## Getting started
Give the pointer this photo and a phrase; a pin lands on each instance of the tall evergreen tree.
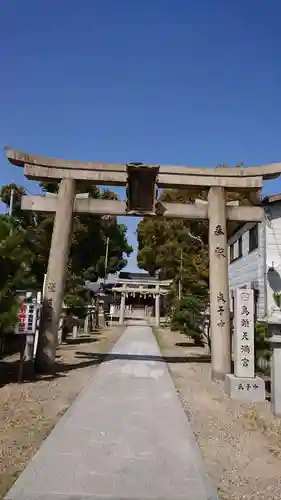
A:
(29, 244)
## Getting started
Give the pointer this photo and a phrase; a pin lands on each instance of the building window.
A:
(253, 238)
(231, 252)
(240, 247)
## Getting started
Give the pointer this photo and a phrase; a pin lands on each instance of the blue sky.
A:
(159, 81)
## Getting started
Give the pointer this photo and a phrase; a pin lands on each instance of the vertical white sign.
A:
(244, 350)
(27, 319)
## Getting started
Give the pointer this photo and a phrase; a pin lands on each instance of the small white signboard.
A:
(27, 319)
(244, 361)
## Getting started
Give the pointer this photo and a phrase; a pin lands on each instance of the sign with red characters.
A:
(27, 319)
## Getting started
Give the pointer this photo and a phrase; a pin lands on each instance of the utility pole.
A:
(105, 277)
(11, 202)
(11, 205)
(106, 258)
(180, 278)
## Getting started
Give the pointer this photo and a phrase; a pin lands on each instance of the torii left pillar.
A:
(55, 281)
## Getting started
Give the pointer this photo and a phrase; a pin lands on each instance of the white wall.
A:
(249, 268)
(257, 265)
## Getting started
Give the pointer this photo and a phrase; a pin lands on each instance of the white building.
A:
(254, 257)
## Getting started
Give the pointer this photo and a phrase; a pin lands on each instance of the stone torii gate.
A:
(142, 182)
(156, 289)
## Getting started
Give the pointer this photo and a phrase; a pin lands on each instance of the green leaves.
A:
(277, 299)
(170, 245)
(25, 240)
(15, 259)
(188, 317)
(179, 249)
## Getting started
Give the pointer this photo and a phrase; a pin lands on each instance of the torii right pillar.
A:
(219, 289)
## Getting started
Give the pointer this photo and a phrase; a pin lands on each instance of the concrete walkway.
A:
(125, 437)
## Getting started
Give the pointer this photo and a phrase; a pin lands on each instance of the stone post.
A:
(218, 277)
(97, 311)
(122, 308)
(243, 384)
(157, 306)
(75, 332)
(55, 281)
(61, 322)
(275, 341)
(86, 323)
(244, 344)
(29, 347)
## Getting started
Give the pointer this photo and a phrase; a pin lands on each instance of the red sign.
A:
(27, 319)
(22, 317)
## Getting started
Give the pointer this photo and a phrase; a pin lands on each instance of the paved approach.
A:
(125, 437)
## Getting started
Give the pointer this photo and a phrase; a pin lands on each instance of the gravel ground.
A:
(28, 411)
(241, 443)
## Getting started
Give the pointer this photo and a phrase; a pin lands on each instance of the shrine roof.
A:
(272, 198)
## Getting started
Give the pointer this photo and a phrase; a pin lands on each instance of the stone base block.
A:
(246, 389)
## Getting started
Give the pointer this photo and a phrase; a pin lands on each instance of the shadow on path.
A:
(9, 369)
(82, 340)
(185, 344)
(99, 357)
(9, 373)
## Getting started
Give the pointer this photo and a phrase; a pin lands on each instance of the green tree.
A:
(15, 261)
(188, 317)
(175, 247)
(178, 249)
(87, 252)
(262, 348)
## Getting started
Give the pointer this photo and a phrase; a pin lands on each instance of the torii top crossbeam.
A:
(42, 168)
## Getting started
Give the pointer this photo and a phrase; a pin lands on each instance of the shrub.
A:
(262, 349)
(188, 317)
